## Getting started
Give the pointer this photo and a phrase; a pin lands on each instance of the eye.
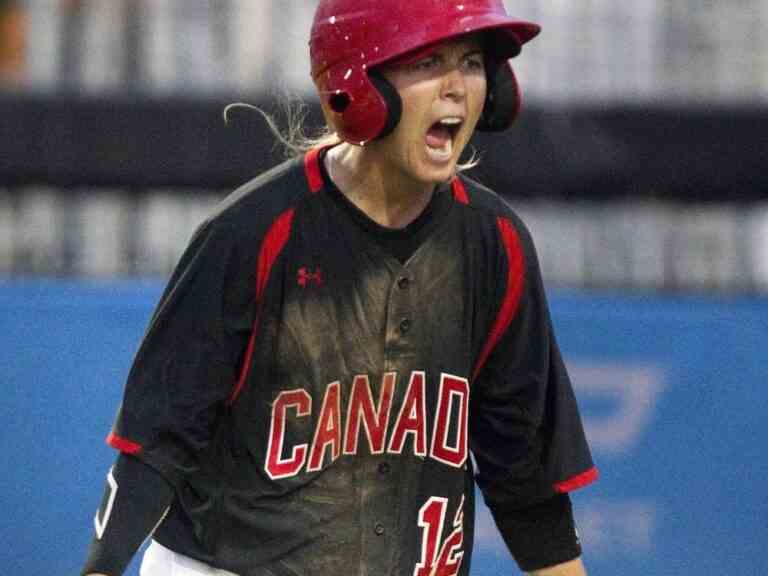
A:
(474, 63)
(429, 63)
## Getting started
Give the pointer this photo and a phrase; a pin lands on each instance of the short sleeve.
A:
(527, 437)
(187, 363)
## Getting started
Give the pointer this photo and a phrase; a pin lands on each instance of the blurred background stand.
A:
(13, 38)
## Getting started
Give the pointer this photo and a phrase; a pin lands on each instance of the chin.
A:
(437, 173)
(439, 176)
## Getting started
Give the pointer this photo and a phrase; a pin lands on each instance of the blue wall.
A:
(673, 391)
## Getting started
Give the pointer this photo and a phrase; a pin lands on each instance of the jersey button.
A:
(379, 529)
(384, 468)
(405, 325)
(403, 283)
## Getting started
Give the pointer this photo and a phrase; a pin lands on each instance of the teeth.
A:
(451, 121)
(443, 154)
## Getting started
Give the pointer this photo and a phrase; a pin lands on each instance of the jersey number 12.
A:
(440, 557)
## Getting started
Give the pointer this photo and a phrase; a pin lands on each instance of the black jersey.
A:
(315, 401)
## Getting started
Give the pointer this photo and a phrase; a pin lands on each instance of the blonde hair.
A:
(294, 139)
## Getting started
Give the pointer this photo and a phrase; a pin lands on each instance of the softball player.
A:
(349, 327)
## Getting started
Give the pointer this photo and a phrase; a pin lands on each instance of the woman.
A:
(300, 404)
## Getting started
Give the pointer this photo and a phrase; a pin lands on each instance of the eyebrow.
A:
(473, 52)
(415, 56)
(437, 54)
(428, 52)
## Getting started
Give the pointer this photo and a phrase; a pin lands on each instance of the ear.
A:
(502, 102)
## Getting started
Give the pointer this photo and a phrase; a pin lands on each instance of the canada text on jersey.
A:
(447, 443)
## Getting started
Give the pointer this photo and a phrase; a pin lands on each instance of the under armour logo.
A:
(304, 277)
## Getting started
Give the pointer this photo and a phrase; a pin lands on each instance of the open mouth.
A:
(440, 137)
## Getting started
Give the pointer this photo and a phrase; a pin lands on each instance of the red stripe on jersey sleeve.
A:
(273, 244)
(123, 444)
(578, 481)
(459, 191)
(312, 169)
(515, 279)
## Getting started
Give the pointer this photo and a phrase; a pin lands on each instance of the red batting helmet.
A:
(350, 38)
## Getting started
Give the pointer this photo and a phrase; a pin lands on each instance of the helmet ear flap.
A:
(502, 102)
(393, 101)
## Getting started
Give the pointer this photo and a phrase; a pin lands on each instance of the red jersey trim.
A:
(312, 170)
(123, 444)
(515, 279)
(273, 244)
(459, 191)
(578, 481)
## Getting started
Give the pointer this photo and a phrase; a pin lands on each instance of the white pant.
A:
(160, 561)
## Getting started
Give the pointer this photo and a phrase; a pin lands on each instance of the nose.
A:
(454, 85)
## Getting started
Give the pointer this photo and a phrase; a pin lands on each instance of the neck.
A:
(381, 191)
